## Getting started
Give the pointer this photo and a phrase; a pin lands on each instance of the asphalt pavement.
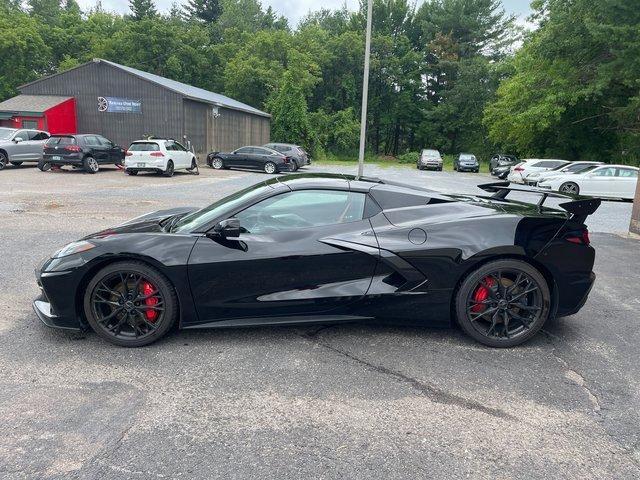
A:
(349, 401)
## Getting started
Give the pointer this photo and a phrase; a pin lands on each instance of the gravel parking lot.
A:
(348, 401)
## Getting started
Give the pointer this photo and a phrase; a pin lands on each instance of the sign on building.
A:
(119, 105)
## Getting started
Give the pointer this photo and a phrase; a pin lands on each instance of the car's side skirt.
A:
(291, 320)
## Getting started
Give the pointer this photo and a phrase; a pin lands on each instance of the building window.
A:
(29, 124)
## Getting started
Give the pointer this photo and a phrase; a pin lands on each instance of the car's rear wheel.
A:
(217, 163)
(503, 303)
(270, 167)
(570, 187)
(295, 165)
(130, 304)
(3, 161)
(170, 169)
(90, 165)
(44, 166)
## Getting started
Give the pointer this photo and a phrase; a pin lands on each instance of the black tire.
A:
(194, 164)
(570, 187)
(98, 301)
(90, 165)
(16, 164)
(44, 166)
(217, 163)
(132, 172)
(295, 165)
(270, 168)
(3, 161)
(488, 324)
(170, 169)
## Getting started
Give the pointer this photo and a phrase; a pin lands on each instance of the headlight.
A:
(73, 248)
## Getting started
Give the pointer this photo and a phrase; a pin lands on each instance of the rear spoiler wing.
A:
(579, 207)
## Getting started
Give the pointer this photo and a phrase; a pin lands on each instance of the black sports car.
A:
(328, 248)
(254, 158)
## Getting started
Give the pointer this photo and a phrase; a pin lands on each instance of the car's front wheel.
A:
(90, 165)
(270, 167)
(130, 304)
(570, 187)
(3, 161)
(503, 303)
(217, 163)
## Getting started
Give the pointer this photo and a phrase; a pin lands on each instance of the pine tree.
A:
(290, 113)
(206, 10)
(142, 9)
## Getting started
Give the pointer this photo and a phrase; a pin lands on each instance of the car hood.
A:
(149, 222)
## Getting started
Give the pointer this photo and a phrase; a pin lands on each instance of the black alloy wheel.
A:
(169, 171)
(503, 303)
(130, 304)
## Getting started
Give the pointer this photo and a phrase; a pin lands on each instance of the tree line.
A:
(456, 75)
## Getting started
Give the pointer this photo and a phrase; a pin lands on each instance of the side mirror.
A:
(18, 139)
(229, 228)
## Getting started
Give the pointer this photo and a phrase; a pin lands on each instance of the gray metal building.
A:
(125, 104)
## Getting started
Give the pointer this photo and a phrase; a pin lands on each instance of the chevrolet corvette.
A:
(314, 248)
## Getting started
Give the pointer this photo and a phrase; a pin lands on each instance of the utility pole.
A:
(634, 226)
(365, 90)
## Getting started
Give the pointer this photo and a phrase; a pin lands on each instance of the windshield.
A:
(196, 221)
(61, 141)
(5, 133)
(467, 157)
(589, 168)
(144, 147)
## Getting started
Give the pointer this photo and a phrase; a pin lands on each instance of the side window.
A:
(302, 209)
(244, 150)
(179, 147)
(261, 151)
(605, 172)
(92, 141)
(33, 134)
(627, 173)
(22, 135)
(104, 141)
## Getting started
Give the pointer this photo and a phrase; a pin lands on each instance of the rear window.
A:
(144, 147)
(61, 141)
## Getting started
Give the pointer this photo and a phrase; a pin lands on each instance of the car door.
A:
(19, 147)
(599, 182)
(35, 145)
(239, 158)
(627, 179)
(114, 152)
(184, 154)
(288, 260)
(98, 151)
(259, 157)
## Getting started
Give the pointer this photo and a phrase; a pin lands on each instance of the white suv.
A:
(158, 155)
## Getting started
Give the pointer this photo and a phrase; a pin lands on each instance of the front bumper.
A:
(468, 168)
(429, 165)
(56, 304)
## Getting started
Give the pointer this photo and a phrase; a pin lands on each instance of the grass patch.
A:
(406, 161)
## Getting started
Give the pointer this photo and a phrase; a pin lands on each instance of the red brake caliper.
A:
(147, 289)
(481, 294)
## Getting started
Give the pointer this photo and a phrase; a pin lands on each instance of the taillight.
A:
(73, 148)
(518, 169)
(157, 154)
(128, 153)
(286, 159)
(580, 237)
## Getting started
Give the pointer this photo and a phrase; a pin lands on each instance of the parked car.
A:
(158, 155)
(500, 165)
(430, 159)
(327, 248)
(520, 173)
(466, 162)
(500, 159)
(87, 151)
(254, 158)
(573, 167)
(605, 181)
(297, 153)
(21, 145)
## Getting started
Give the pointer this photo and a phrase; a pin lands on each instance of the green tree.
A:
(289, 109)
(141, 9)
(205, 10)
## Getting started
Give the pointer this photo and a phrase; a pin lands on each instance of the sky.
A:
(294, 10)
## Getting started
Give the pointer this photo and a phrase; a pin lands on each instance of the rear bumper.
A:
(74, 159)
(575, 295)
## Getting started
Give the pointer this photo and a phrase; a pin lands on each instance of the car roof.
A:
(618, 166)
(281, 144)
